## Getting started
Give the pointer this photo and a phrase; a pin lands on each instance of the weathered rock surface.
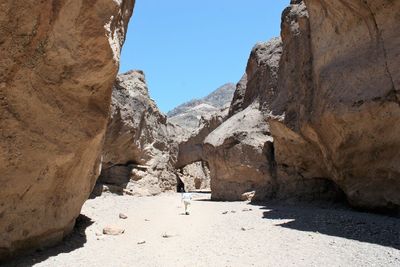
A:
(113, 230)
(58, 62)
(340, 113)
(138, 155)
(191, 148)
(298, 166)
(195, 176)
(258, 84)
(237, 153)
(189, 115)
(192, 168)
(240, 151)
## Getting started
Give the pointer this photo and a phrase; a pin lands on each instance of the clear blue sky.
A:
(188, 48)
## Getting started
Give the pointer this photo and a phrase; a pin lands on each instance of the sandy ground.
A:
(272, 234)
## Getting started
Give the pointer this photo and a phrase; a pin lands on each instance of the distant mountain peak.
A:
(188, 114)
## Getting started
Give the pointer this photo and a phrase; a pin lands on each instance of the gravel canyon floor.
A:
(223, 234)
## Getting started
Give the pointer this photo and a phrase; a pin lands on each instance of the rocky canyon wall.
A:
(239, 150)
(330, 111)
(139, 153)
(342, 110)
(58, 62)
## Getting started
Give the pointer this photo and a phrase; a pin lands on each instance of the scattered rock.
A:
(141, 242)
(113, 230)
(166, 235)
(225, 212)
(123, 216)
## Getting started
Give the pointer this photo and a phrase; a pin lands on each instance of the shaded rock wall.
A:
(344, 124)
(300, 171)
(58, 62)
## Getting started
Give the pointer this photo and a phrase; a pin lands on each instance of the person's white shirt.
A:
(186, 196)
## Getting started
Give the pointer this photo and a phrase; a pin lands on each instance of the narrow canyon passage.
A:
(291, 150)
(223, 234)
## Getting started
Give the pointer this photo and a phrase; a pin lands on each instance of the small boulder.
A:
(248, 196)
(113, 230)
(123, 216)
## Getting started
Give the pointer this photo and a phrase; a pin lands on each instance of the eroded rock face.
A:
(238, 155)
(191, 147)
(138, 154)
(299, 168)
(240, 151)
(191, 161)
(340, 113)
(195, 176)
(258, 84)
(58, 62)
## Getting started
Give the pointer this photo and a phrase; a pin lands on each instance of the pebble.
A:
(123, 216)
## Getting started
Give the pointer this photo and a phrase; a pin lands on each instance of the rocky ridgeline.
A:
(58, 63)
(189, 114)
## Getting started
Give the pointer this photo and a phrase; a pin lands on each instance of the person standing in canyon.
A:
(187, 201)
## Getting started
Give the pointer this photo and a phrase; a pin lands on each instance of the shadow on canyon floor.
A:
(75, 240)
(338, 221)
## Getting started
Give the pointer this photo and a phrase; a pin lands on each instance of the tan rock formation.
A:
(58, 62)
(340, 112)
(138, 154)
(238, 155)
(191, 147)
(258, 84)
(240, 151)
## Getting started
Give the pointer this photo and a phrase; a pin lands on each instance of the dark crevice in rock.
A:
(269, 149)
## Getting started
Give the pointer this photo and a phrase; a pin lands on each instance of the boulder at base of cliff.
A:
(239, 155)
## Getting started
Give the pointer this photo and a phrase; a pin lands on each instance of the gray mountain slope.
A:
(187, 115)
